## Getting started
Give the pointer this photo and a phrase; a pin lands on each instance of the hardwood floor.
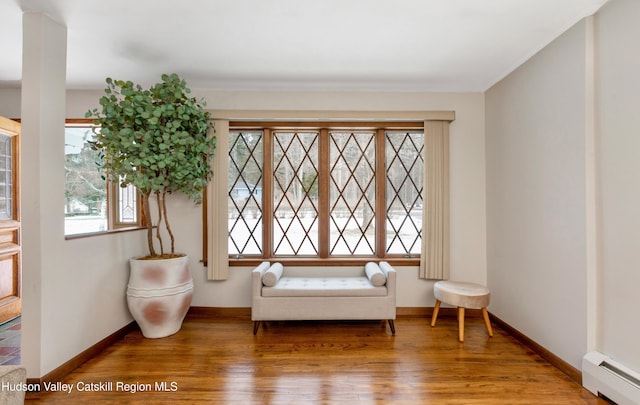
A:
(221, 361)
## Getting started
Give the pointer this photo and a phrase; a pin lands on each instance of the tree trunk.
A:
(147, 214)
(160, 199)
(166, 221)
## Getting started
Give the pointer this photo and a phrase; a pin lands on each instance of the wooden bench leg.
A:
(435, 313)
(256, 326)
(461, 324)
(392, 326)
(487, 322)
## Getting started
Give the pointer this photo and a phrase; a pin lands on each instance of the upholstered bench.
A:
(462, 295)
(323, 293)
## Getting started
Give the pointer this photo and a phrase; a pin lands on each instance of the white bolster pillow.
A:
(271, 276)
(376, 276)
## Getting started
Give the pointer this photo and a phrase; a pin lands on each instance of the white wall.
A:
(72, 289)
(536, 198)
(468, 257)
(10, 102)
(618, 115)
(563, 260)
(84, 297)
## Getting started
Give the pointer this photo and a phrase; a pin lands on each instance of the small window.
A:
(6, 175)
(91, 204)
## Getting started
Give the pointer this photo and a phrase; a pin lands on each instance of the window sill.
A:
(316, 262)
(109, 232)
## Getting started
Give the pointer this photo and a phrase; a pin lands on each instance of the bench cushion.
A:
(271, 276)
(375, 274)
(324, 287)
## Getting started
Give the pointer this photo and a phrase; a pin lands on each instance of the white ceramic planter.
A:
(159, 295)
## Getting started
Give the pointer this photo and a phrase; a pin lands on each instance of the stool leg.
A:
(461, 324)
(435, 313)
(487, 322)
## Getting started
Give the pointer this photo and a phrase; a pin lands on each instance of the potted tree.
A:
(157, 140)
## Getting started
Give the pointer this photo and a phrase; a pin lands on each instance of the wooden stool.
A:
(462, 295)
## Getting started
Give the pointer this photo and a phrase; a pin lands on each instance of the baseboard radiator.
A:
(605, 377)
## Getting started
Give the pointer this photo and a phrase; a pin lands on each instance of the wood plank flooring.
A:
(222, 362)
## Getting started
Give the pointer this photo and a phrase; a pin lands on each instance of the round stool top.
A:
(462, 294)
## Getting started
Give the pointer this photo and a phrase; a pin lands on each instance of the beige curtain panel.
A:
(218, 232)
(434, 260)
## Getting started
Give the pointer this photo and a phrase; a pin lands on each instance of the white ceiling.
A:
(394, 45)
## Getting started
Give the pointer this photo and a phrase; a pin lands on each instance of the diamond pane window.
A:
(317, 190)
(352, 193)
(295, 193)
(404, 164)
(245, 193)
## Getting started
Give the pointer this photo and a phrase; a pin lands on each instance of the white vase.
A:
(159, 294)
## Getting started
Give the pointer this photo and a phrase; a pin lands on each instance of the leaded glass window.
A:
(245, 192)
(321, 192)
(404, 162)
(295, 193)
(352, 193)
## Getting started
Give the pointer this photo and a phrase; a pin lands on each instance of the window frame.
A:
(112, 198)
(323, 258)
